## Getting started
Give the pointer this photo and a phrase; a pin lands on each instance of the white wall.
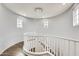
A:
(58, 26)
(9, 34)
(61, 26)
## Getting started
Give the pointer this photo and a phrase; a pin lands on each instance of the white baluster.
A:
(58, 47)
(74, 48)
(55, 46)
(69, 47)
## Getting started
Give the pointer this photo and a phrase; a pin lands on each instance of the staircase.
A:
(49, 46)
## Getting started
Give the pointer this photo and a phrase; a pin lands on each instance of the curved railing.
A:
(50, 45)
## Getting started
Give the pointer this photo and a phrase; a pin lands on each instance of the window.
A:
(76, 16)
(20, 22)
(45, 22)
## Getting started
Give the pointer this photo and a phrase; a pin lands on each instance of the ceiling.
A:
(38, 10)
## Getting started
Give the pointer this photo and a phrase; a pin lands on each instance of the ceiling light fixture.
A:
(38, 9)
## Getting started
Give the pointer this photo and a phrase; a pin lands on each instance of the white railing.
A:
(54, 45)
